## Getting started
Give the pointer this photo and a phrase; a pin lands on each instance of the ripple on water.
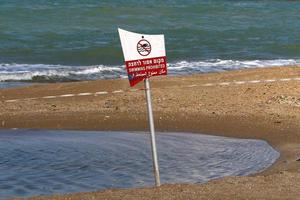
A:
(46, 162)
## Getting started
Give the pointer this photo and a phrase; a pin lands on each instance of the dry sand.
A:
(265, 110)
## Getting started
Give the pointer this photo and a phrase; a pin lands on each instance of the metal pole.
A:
(151, 124)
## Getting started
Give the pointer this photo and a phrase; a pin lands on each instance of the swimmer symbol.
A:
(143, 47)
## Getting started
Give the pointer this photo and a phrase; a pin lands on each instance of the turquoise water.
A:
(45, 162)
(76, 39)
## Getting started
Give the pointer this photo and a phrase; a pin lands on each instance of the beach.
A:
(228, 107)
(256, 103)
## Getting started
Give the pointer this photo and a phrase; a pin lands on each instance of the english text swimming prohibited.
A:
(145, 56)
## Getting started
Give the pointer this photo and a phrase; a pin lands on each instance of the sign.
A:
(144, 55)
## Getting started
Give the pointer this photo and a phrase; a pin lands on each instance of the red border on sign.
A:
(138, 70)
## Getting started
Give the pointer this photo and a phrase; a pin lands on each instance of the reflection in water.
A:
(46, 162)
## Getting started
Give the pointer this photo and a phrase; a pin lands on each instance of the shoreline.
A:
(267, 110)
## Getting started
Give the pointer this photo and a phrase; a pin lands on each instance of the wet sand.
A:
(266, 106)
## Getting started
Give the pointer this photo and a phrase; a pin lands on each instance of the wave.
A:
(61, 73)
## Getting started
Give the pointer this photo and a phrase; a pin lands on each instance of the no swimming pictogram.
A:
(143, 47)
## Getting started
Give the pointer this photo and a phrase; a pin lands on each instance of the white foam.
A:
(26, 72)
(98, 69)
(224, 65)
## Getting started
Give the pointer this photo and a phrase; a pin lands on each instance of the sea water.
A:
(52, 41)
(46, 162)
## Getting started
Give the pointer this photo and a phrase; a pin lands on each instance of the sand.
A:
(267, 107)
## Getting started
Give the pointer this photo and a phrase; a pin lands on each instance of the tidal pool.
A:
(46, 162)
